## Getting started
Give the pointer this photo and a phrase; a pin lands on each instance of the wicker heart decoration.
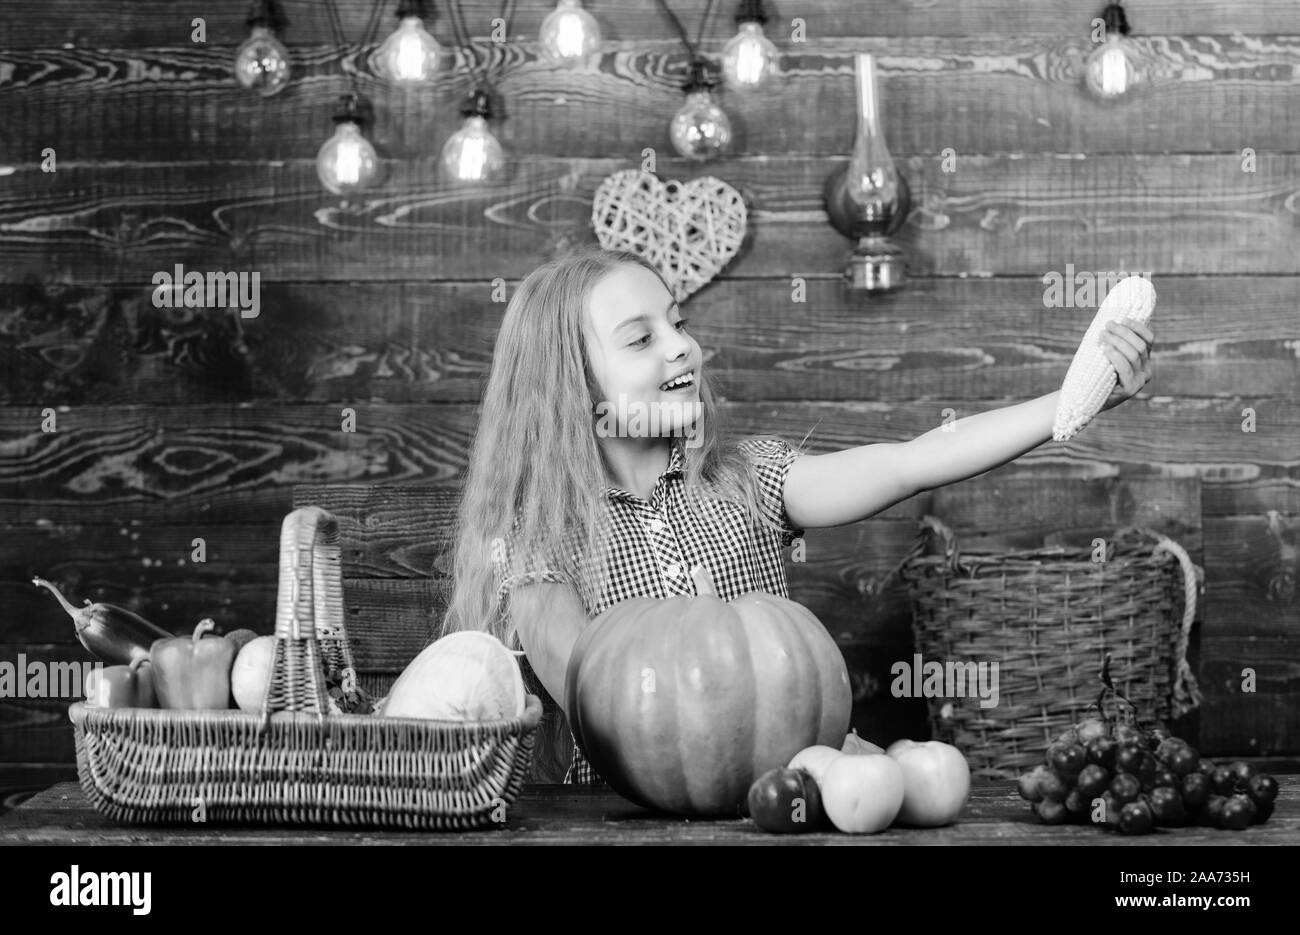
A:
(689, 230)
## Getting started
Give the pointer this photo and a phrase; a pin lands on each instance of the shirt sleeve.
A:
(772, 458)
(511, 574)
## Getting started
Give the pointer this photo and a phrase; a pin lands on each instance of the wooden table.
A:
(557, 814)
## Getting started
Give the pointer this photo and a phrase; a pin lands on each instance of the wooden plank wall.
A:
(174, 425)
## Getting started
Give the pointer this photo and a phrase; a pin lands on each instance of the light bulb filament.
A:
(409, 62)
(1114, 71)
(347, 162)
(570, 36)
(749, 62)
(473, 157)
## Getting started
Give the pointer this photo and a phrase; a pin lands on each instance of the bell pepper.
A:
(193, 673)
(129, 686)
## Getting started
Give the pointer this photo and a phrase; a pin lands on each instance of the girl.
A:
(600, 472)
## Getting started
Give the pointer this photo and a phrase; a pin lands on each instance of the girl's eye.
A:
(641, 342)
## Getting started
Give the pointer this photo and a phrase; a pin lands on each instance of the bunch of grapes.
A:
(1144, 779)
(1134, 780)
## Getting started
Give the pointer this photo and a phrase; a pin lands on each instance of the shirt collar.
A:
(676, 465)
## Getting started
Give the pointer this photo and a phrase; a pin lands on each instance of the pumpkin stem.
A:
(703, 581)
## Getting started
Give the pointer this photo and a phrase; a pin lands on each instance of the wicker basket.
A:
(293, 763)
(1048, 618)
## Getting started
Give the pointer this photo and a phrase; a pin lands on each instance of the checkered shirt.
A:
(656, 543)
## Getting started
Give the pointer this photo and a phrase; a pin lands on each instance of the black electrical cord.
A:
(697, 72)
(462, 37)
(691, 50)
(336, 24)
(372, 28)
(265, 13)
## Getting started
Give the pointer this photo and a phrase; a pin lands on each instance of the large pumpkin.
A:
(680, 704)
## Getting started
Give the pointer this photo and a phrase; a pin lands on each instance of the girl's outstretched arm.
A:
(850, 485)
(977, 443)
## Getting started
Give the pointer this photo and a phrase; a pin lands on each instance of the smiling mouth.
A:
(684, 382)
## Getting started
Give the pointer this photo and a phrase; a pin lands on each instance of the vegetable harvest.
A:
(193, 673)
(1091, 376)
(468, 675)
(112, 633)
(680, 704)
(122, 686)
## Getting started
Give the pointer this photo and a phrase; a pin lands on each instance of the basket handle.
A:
(1187, 694)
(310, 638)
(928, 527)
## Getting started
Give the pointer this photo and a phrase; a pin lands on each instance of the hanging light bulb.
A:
(410, 55)
(472, 154)
(569, 33)
(869, 198)
(700, 129)
(262, 61)
(346, 163)
(750, 57)
(1111, 70)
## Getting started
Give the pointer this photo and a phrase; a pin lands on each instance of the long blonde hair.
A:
(536, 469)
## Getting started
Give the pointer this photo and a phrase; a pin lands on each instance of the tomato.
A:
(936, 781)
(1125, 788)
(1067, 759)
(1238, 812)
(1244, 772)
(1128, 759)
(1196, 789)
(786, 801)
(1135, 818)
(862, 794)
(1224, 780)
(1092, 781)
(1212, 814)
(1052, 787)
(1049, 812)
(1102, 751)
(1182, 759)
(1166, 806)
(1029, 783)
(1262, 788)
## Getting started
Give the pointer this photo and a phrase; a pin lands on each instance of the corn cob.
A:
(1092, 376)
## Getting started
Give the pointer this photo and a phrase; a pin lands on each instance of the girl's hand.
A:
(1128, 347)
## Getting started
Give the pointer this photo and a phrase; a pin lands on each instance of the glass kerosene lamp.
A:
(869, 199)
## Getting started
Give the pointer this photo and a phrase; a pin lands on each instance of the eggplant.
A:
(114, 634)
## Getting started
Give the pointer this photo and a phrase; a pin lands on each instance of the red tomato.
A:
(936, 781)
(785, 801)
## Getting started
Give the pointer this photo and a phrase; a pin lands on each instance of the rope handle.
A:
(1186, 692)
(310, 638)
(929, 528)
